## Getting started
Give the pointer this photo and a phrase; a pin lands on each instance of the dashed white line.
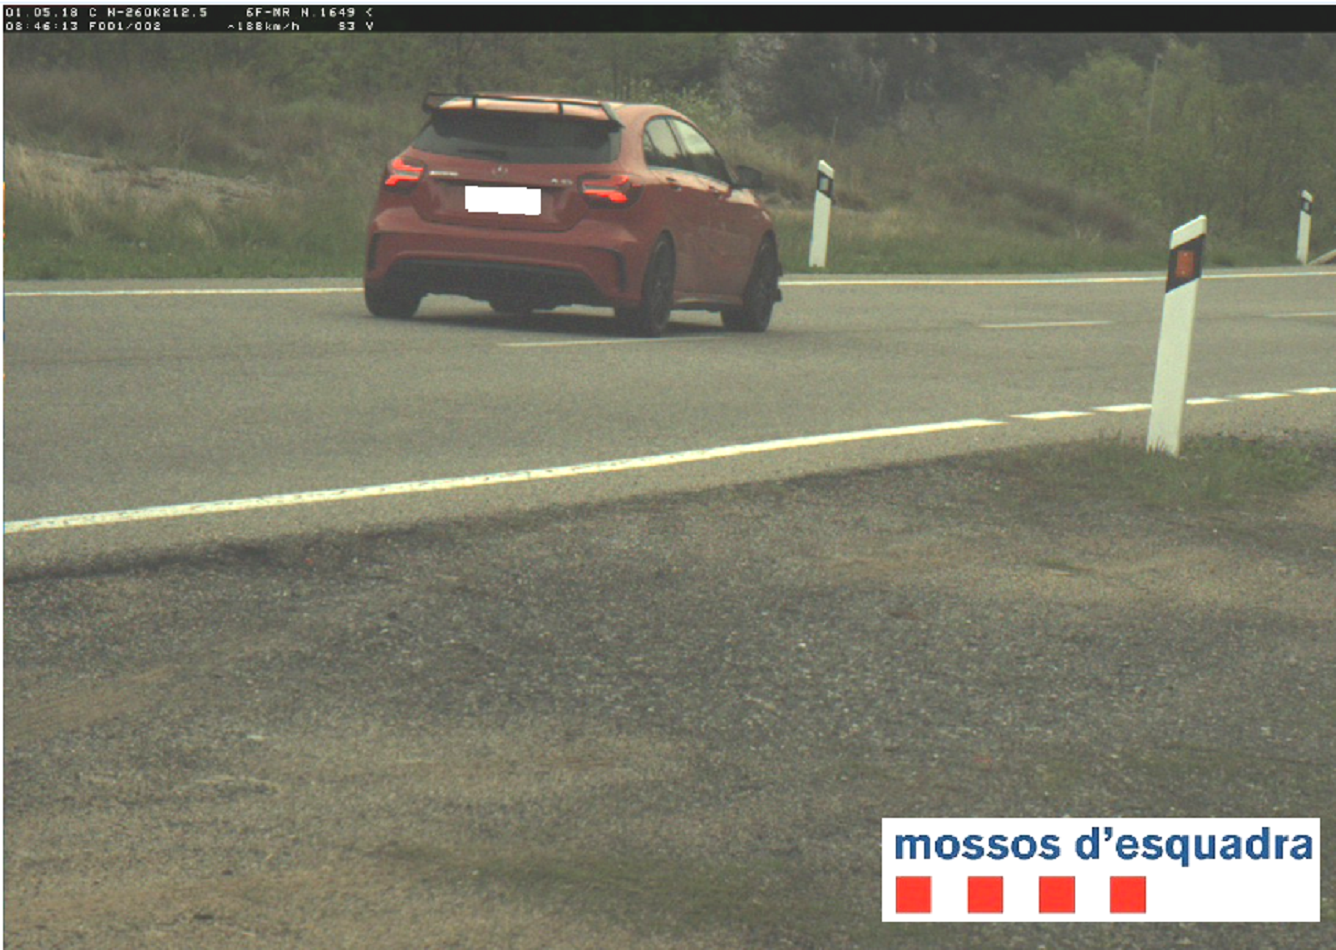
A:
(1125, 407)
(609, 342)
(969, 281)
(1044, 325)
(834, 282)
(1245, 275)
(592, 468)
(795, 283)
(1051, 415)
(1034, 281)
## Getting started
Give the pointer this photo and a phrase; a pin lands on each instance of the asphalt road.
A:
(537, 703)
(121, 397)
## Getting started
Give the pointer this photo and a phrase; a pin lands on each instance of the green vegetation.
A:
(954, 152)
(1211, 471)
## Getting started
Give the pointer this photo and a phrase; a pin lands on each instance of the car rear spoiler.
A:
(433, 101)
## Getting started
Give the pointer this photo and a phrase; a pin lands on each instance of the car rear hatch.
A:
(512, 163)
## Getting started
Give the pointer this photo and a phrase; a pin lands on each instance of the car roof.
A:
(645, 110)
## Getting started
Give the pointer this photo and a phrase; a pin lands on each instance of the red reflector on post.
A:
(1186, 265)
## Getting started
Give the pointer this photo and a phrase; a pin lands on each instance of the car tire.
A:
(650, 318)
(390, 300)
(758, 299)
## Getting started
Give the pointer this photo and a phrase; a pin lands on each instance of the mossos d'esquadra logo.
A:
(1101, 869)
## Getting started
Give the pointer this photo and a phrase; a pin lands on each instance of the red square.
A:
(1127, 895)
(1057, 895)
(913, 895)
(985, 895)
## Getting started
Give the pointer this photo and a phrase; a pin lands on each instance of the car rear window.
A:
(520, 138)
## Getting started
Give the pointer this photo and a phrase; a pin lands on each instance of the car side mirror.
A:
(749, 178)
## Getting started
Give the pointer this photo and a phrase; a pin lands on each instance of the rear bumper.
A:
(593, 263)
(486, 280)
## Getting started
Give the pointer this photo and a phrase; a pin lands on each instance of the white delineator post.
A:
(1305, 225)
(825, 197)
(1186, 248)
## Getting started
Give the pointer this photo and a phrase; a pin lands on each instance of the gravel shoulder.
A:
(663, 723)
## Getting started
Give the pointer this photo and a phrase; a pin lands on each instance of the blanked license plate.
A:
(496, 199)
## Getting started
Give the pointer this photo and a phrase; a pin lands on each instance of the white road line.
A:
(1050, 416)
(610, 342)
(476, 481)
(795, 283)
(1044, 325)
(184, 292)
(968, 281)
(1206, 401)
(833, 282)
(59, 522)
(1227, 275)
(1125, 407)
(1301, 316)
(1028, 281)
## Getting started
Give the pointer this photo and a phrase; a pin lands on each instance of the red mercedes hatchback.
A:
(534, 202)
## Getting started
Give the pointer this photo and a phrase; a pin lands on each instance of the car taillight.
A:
(615, 190)
(403, 173)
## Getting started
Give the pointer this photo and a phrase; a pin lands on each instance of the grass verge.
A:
(72, 217)
(1213, 471)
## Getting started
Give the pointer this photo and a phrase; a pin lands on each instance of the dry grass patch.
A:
(83, 196)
